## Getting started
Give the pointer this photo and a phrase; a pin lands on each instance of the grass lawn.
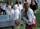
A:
(22, 27)
(38, 28)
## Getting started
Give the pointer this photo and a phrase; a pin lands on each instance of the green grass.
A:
(38, 18)
(38, 28)
(22, 27)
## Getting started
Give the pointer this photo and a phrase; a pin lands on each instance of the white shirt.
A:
(17, 11)
(16, 6)
(20, 6)
(31, 15)
(12, 11)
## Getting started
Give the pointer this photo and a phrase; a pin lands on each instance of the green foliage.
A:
(38, 18)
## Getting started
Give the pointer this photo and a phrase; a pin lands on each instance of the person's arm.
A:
(23, 18)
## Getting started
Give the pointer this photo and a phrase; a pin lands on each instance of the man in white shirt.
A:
(16, 9)
(17, 13)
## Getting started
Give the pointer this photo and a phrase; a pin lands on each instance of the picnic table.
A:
(5, 21)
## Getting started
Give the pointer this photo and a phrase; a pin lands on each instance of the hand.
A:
(17, 22)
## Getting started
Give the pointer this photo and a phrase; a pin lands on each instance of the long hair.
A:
(34, 7)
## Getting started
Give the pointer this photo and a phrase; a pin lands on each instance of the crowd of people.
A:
(24, 11)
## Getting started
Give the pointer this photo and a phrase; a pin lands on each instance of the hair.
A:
(25, 0)
(19, 2)
(12, 6)
(34, 7)
(16, 2)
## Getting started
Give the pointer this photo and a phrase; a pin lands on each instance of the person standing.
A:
(29, 16)
(17, 13)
